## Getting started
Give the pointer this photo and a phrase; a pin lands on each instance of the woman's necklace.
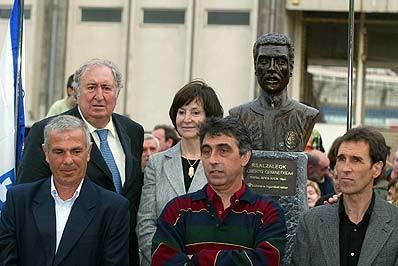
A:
(187, 146)
(191, 170)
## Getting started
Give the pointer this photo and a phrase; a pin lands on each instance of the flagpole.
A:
(18, 91)
(351, 15)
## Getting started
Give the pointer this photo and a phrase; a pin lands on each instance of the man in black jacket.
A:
(115, 162)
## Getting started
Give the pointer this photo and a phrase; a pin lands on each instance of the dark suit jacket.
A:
(33, 165)
(317, 238)
(96, 232)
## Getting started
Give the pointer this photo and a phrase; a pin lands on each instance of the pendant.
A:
(191, 171)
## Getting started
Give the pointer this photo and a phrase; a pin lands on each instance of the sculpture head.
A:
(273, 55)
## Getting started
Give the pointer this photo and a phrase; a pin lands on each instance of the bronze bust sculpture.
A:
(276, 122)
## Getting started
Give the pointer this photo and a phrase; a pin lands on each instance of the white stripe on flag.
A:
(8, 109)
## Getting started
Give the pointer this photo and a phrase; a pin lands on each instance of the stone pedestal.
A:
(284, 176)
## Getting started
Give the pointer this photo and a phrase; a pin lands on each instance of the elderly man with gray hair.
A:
(151, 145)
(75, 221)
(117, 140)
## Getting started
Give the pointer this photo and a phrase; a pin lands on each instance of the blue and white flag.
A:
(12, 119)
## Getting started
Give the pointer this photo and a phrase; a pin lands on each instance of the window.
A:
(228, 18)
(326, 78)
(164, 16)
(100, 14)
(326, 82)
(5, 13)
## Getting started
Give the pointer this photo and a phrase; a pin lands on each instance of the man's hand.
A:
(332, 200)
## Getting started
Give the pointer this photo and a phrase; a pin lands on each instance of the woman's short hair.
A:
(196, 90)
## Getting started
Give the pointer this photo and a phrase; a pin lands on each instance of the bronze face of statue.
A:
(272, 68)
(277, 122)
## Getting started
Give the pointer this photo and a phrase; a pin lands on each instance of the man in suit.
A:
(116, 159)
(64, 219)
(360, 229)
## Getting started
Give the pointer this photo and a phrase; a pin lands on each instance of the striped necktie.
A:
(109, 159)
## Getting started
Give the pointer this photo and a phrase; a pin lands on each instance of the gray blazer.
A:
(163, 181)
(317, 237)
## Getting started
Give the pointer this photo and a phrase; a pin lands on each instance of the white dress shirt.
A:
(62, 209)
(114, 145)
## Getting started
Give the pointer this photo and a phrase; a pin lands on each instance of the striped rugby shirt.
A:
(252, 231)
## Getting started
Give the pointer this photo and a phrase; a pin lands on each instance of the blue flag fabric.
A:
(12, 116)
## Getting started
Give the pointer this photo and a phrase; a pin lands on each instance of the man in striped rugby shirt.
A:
(224, 223)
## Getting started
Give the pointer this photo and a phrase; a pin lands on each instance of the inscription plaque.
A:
(275, 177)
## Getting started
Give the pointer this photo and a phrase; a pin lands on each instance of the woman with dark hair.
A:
(178, 170)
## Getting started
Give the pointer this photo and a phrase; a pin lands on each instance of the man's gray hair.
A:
(148, 136)
(117, 75)
(64, 123)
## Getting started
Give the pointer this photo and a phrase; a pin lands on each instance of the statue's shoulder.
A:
(243, 108)
(307, 110)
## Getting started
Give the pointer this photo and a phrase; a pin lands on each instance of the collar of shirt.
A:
(217, 202)
(201, 195)
(212, 195)
(274, 100)
(92, 129)
(55, 195)
(367, 213)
